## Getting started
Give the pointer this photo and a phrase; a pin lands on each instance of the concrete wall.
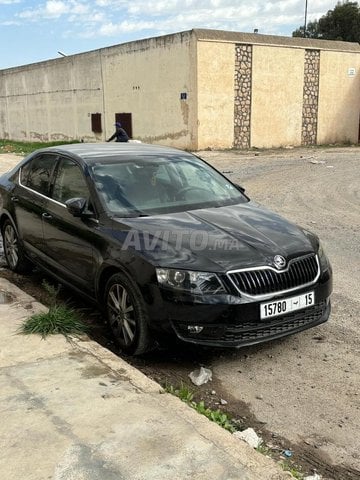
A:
(54, 100)
(215, 77)
(339, 98)
(146, 79)
(277, 95)
(51, 100)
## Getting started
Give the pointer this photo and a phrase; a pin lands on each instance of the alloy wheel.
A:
(121, 314)
(11, 246)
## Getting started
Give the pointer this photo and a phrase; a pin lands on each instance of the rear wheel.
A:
(14, 251)
(127, 315)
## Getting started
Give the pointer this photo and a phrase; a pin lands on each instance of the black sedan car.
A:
(163, 243)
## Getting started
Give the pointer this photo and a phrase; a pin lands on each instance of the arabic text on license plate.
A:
(286, 305)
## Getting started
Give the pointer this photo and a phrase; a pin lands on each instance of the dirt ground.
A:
(301, 393)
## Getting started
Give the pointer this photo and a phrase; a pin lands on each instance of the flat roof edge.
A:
(275, 40)
(210, 35)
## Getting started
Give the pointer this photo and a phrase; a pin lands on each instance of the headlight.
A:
(198, 283)
(324, 261)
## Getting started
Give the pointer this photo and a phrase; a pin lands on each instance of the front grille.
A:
(266, 280)
(255, 331)
(278, 326)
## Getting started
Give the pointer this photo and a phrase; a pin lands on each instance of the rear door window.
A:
(37, 173)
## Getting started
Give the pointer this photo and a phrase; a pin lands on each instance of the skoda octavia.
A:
(164, 244)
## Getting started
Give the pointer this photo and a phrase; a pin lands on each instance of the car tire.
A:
(127, 316)
(13, 249)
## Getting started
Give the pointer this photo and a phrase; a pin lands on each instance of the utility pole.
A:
(305, 23)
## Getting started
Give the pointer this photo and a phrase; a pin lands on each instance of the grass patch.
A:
(217, 416)
(60, 319)
(24, 148)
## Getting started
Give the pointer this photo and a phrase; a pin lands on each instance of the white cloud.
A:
(80, 9)
(103, 3)
(10, 23)
(116, 18)
(56, 8)
(111, 29)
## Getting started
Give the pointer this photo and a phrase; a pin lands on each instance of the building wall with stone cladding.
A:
(291, 95)
(311, 97)
(243, 86)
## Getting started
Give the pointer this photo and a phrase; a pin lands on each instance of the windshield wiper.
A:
(134, 214)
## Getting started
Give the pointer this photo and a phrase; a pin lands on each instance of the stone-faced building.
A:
(195, 89)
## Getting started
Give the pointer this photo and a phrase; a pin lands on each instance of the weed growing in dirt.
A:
(52, 291)
(216, 416)
(264, 450)
(288, 467)
(59, 319)
(186, 395)
(225, 421)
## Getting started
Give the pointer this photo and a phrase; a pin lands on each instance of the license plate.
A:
(286, 305)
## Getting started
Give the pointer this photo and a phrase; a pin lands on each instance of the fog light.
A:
(194, 329)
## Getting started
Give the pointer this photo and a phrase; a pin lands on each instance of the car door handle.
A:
(47, 215)
(14, 199)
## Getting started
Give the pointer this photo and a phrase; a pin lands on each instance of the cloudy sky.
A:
(35, 30)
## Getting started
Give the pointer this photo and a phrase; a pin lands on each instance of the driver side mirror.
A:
(77, 207)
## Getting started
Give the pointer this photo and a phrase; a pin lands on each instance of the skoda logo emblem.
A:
(279, 262)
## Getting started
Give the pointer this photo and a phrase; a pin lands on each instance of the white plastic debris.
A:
(313, 477)
(201, 376)
(250, 437)
(223, 402)
(318, 162)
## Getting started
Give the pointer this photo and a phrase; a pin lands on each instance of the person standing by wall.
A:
(120, 134)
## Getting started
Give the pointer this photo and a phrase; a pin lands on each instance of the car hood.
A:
(214, 239)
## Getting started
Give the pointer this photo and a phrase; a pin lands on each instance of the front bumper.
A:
(245, 333)
(233, 322)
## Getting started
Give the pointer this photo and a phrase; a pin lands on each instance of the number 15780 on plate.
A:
(286, 305)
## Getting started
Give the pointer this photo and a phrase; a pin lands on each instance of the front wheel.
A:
(14, 252)
(127, 316)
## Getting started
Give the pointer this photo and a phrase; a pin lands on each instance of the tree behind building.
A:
(341, 23)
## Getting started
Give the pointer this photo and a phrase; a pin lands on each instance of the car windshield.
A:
(154, 185)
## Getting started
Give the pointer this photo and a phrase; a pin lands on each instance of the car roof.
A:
(92, 152)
